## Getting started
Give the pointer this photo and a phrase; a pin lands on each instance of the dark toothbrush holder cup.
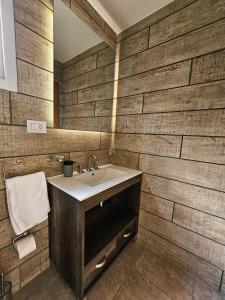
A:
(68, 168)
(5, 289)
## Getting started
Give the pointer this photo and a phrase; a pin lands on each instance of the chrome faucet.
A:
(93, 163)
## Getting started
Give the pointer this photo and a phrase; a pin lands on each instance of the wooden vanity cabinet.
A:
(85, 236)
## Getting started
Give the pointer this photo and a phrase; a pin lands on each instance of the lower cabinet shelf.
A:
(83, 242)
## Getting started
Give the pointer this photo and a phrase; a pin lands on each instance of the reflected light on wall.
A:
(115, 94)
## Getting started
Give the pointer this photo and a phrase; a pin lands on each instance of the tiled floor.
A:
(137, 274)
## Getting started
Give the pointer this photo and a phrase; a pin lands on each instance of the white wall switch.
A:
(36, 126)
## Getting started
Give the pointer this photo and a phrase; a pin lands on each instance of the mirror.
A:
(83, 74)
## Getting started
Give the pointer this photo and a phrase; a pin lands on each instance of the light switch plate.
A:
(36, 126)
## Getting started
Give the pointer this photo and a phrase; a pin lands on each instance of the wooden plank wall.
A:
(172, 74)
(88, 86)
(34, 100)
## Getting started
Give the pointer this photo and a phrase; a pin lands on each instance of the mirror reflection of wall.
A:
(83, 74)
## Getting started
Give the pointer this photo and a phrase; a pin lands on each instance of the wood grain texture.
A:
(96, 93)
(126, 159)
(35, 16)
(14, 277)
(106, 57)
(196, 97)
(33, 267)
(155, 17)
(104, 108)
(202, 41)
(105, 140)
(208, 122)
(186, 20)
(17, 142)
(79, 110)
(157, 206)
(202, 199)
(152, 144)
(3, 205)
(48, 3)
(86, 65)
(23, 107)
(187, 260)
(199, 222)
(186, 171)
(89, 124)
(33, 49)
(92, 78)
(69, 99)
(134, 44)
(4, 107)
(209, 67)
(190, 241)
(204, 149)
(34, 81)
(163, 78)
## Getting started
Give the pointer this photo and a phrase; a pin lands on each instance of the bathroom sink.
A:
(83, 186)
(100, 176)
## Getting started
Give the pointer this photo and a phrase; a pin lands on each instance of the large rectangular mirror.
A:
(83, 74)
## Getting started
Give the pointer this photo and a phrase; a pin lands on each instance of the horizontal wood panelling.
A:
(134, 44)
(203, 96)
(203, 199)
(199, 222)
(208, 67)
(126, 159)
(199, 42)
(34, 81)
(69, 99)
(95, 77)
(48, 3)
(86, 54)
(4, 107)
(152, 144)
(106, 57)
(79, 110)
(90, 124)
(33, 49)
(106, 139)
(86, 65)
(160, 14)
(157, 206)
(32, 164)
(120, 106)
(209, 149)
(192, 263)
(34, 266)
(190, 241)
(17, 142)
(104, 108)
(209, 122)
(96, 93)
(163, 78)
(29, 13)
(23, 107)
(192, 172)
(3, 205)
(6, 233)
(14, 277)
(186, 20)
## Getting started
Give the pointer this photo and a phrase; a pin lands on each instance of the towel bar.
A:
(19, 162)
(18, 237)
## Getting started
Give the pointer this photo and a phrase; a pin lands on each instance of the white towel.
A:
(25, 246)
(27, 200)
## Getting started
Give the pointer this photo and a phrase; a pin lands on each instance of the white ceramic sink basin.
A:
(100, 176)
(88, 184)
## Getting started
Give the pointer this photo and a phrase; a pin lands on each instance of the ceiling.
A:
(71, 35)
(121, 14)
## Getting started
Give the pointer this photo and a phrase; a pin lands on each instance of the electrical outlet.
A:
(36, 126)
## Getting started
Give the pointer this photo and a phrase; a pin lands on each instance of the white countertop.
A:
(85, 185)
